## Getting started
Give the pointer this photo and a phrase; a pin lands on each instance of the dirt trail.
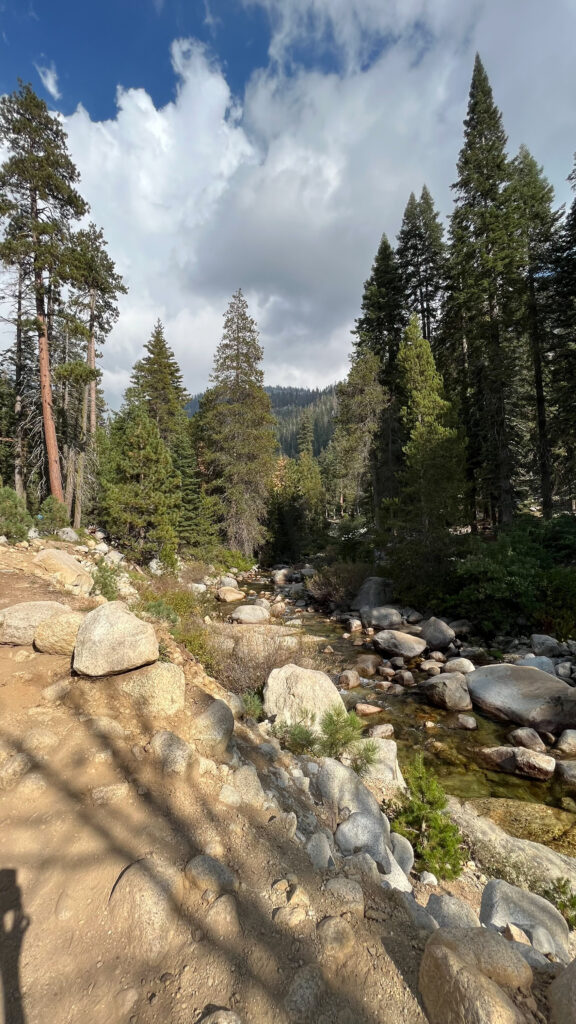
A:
(66, 837)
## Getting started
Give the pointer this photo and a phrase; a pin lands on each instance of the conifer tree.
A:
(538, 223)
(380, 325)
(484, 285)
(236, 431)
(197, 527)
(157, 383)
(563, 362)
(420, 255)
(39, 199)
(141, 489)
(432, 482)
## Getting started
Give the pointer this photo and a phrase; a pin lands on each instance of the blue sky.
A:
(99, 44)
(267, 144)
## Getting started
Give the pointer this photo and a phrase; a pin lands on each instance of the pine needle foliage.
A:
(435, 839)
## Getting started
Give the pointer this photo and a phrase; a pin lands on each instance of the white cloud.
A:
(49, 78)
(286, 194)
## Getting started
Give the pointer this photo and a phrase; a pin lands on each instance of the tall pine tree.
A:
(420, 255)
(236, 431)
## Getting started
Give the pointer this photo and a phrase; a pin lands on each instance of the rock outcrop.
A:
(524, 695)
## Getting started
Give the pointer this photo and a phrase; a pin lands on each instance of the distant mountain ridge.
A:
(288, 404)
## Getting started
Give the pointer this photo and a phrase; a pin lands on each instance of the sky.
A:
(268, 144)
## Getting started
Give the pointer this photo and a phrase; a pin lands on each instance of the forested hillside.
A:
(288, 405)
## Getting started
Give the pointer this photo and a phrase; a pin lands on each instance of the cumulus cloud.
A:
(286, 190)
(49, 78)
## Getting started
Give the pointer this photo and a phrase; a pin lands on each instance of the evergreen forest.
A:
(446, 460)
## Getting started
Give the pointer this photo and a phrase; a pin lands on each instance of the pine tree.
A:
(538, 224)
(432, 482)
(563, 362)
(236, 428)
(197, 527)
(380, 326)
(141, 489)
(483, 301)
(157, 382)
(39, 200)
(420, 255)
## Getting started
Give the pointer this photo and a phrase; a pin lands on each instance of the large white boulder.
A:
(111, 639)
(247, 614)
(19, 622)
(57, 635)
(394, 641)
(293, 693)
(524, 695)
(65, 569)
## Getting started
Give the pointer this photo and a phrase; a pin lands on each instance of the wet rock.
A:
(57, 635)
(520, 861)
(65, 569)
(504, 904)
(385, 731)
(447, 690)
(228, 595)
(472, 975)
(567, 743)
(451, 912)
(383, 617)
(393, 641)
(404, 678)
(158, 689)
(230, 582)
(292, 691)
(368, 664)
(365, 710)
(437, 634)
(463, 665)
(524, 695)
(19, 622)
(466, 722)
(566, 772)
(518, 761)
(111, 639)
(250, 614)
(529, 738)
(349, 679)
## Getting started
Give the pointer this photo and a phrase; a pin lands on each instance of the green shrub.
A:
(253, 706)
(225, 558)
(561, 894)
(298, 738)
(195, 639)
(159, 609)
(105, 581)
(556, 613)
(340, 729)
(15, 520)
(364, 758)
(435, 839)
(53, 516)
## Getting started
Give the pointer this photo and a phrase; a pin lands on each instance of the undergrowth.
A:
(436, 840)
(339, 733)
(561, 894)
(105, 581)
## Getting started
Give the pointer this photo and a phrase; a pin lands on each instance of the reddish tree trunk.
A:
(91, 360)
(50, 439)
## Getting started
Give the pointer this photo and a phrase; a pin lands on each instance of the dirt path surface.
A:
(80, 945)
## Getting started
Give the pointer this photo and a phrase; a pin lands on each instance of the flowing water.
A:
(420, 727)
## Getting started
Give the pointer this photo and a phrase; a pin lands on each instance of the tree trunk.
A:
(81, 461)
(91, 360)
(19, 484)
(69, 492)
(50, 438)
